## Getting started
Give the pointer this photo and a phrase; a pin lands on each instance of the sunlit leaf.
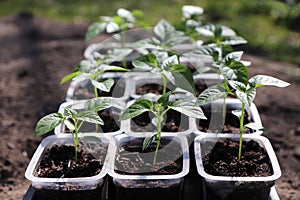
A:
(148, 141)
(90, 116)
(261, 80)
(138, 107)
(211, 94)
(103, 85)
(188, 108)
(48, 123)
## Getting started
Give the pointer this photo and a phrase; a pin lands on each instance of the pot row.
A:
(175, 122)
(140, 185)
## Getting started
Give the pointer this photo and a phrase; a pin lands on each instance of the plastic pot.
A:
(142, 185)
(69, 184)
(227, 187)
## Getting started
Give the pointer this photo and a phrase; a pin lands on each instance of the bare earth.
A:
(35, 54)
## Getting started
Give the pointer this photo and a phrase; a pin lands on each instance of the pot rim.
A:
(46, 142)
(263, 141)
(185, 168)
(254, 114)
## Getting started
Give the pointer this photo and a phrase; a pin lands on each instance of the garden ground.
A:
(35, 54)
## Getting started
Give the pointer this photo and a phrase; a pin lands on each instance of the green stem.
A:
(75, 138)
(96, 92)
(241, 131)
(158, 139)
(164, 84)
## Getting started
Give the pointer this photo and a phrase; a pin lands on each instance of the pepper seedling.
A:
(168, 67)
(73, 120)
(243, 88)
(93, 69)
(159, 109)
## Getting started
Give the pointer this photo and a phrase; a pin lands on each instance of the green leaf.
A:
(103, 85)
(188, 108)
(236, 71)
(261, 80)
(254, 126)
(89, 116)
(243, 97)
(69, 112)
(211, 94)
(233, 56)
(97, 104)
(113, 55)
(48, 123)
(94, 29)
(233, 40)
(237, 113)
(251, 95)
(69, 125)
(145, 62)
(148, 141)
(138, 107)
(164, 99)
(183, 78)
(69, 77)
(104, 68)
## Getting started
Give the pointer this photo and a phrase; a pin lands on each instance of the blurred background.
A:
(272, 27)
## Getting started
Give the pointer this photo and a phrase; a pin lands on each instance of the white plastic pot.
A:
(80, 183)
(231, 103)
(223, 187)
(148, 186)
(116, 110)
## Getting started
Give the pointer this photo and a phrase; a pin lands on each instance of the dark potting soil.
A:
(174, 122)
(58, 161)
(222, 159)
(154, 88)
(131, 159)
(231, 124)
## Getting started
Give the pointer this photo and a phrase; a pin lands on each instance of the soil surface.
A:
(222, 160)
(59, 162)
(166, 163)
(36, 53)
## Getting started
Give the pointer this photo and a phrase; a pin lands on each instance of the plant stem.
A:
(96, 96)
(241, 130)
(96, 92)
(164, 84)
(75, 138)
(158, 139)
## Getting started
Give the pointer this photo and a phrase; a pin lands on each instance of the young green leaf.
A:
(48, 123)
(138, 107)
(69, 77)
(69, 125)
(254, 126)
(211, 94)
(103, 85)
(69, 112)
(97, 104)
(235, 71)
(164, 99)
(90, 116)
(183, 78)
(237, 113)
(261, 80)
(145, 62)
(188, 108)
(94, 29)
(148, 141)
